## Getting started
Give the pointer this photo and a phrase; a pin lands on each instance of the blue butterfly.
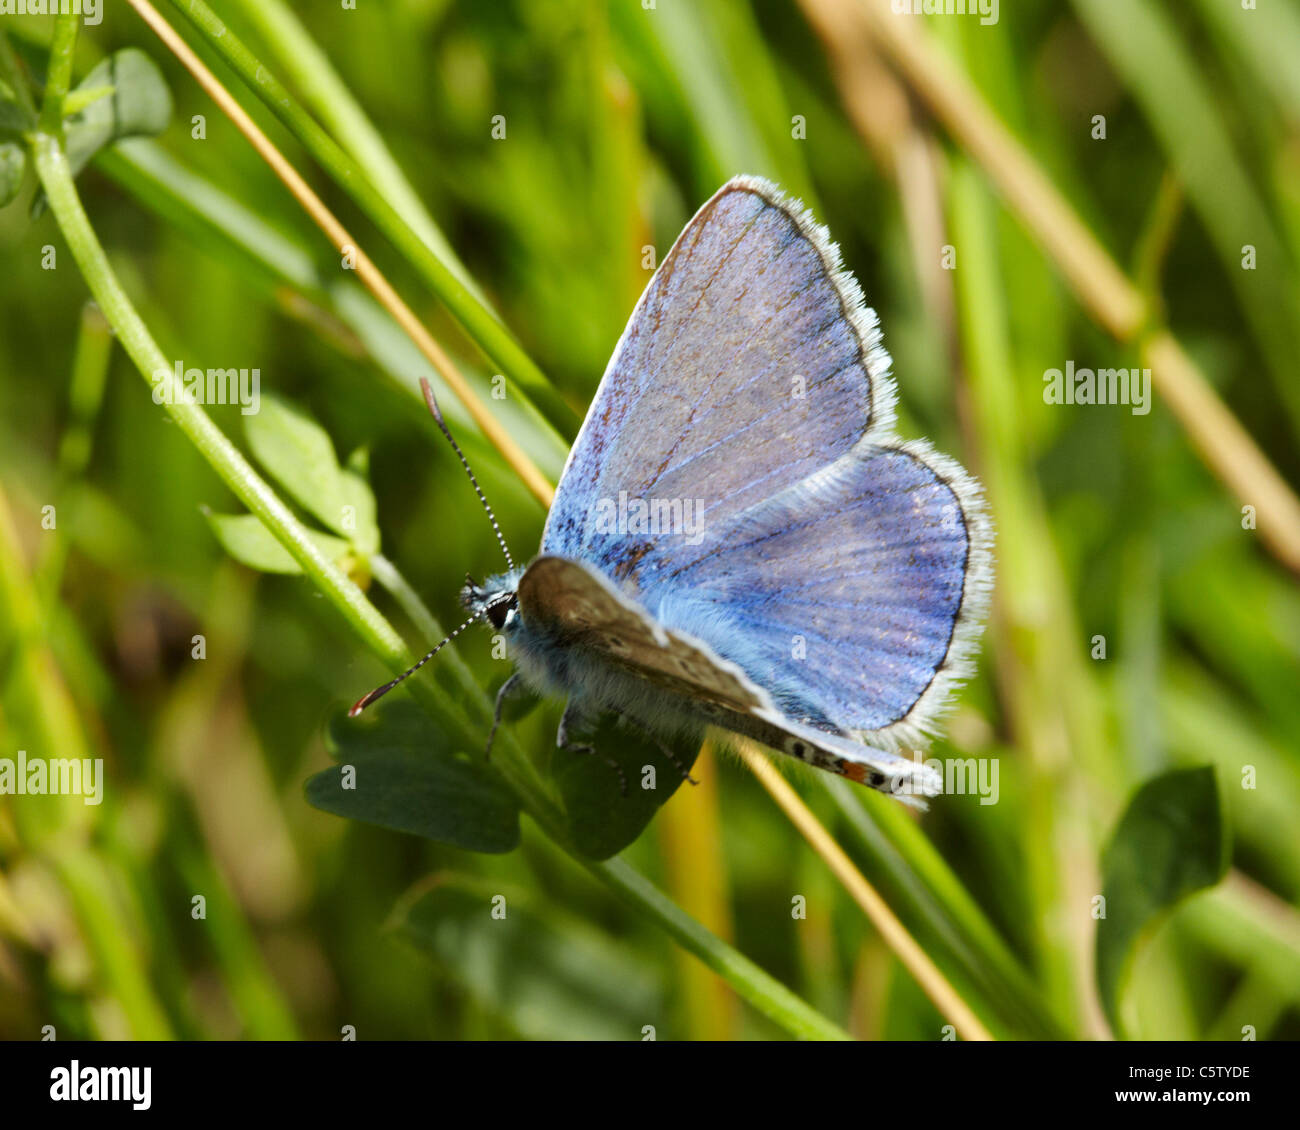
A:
(739, 539)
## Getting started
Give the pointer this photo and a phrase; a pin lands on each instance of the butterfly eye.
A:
(499, 610)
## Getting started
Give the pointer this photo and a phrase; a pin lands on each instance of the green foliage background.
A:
(619, 122)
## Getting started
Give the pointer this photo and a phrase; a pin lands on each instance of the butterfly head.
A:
(496, 600)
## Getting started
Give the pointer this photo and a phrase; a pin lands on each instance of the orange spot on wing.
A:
(852, 770)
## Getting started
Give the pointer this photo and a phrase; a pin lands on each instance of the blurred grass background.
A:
(619, 121)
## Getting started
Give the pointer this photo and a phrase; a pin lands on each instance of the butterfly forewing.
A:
(749, 363)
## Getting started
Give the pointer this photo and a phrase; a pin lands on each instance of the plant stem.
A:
(58, 78)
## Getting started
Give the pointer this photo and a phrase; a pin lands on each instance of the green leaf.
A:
(124, 96)
(13, 162)
(405, 776)
(1170, 842)
(140, 106)
(602, 820)
(546, 974)
(249, 542)
(298, 454)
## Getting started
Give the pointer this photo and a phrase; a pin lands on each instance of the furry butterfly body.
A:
(830, 596)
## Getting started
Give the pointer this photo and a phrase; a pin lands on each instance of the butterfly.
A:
(739, 539)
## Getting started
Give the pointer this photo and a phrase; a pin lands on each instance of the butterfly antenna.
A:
(436, 413)
(379, 692)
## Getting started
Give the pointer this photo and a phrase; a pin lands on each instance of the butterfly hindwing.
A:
(852, 597)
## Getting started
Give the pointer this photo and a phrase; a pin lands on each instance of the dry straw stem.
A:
(370, 275)
(944, 997)
(850, 30)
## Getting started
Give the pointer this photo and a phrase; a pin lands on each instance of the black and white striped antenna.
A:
(436, 413)
(379, 692)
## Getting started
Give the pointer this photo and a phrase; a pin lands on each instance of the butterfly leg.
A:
(572, 719)
(511, 685)
(668, 752)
